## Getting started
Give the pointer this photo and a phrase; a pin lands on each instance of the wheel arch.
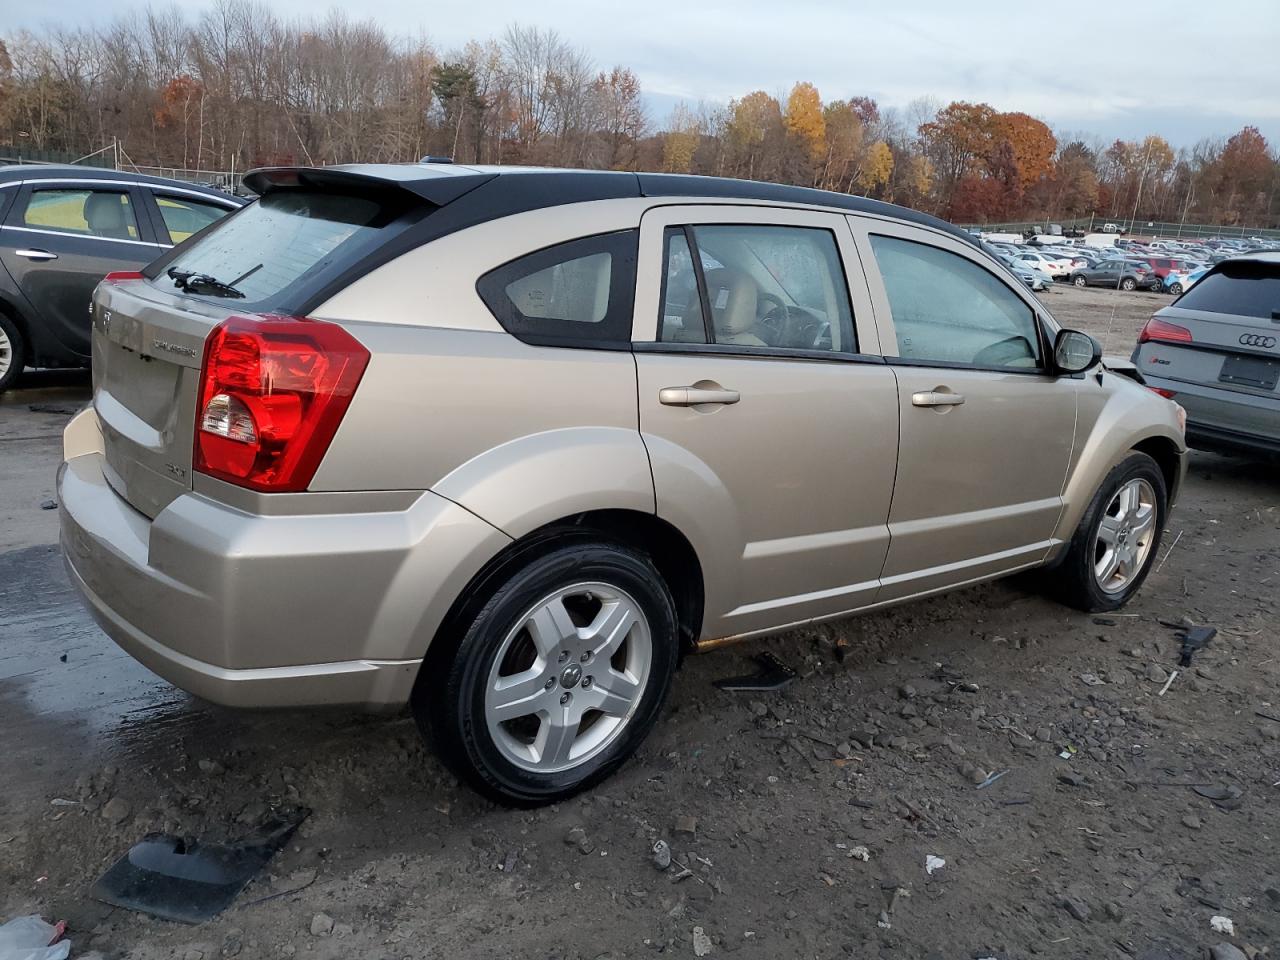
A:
(669, 549)
(1167, 456)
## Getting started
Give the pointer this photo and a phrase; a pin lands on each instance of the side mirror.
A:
(1075, 352)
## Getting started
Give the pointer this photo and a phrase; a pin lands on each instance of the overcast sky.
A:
(1182, 69)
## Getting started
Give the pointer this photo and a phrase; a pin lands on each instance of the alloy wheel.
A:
(568, 677)
(1125, 536)
(6, 353)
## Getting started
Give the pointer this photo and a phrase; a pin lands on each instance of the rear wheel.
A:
(13, 352)
(557, 677)
(1128, 284)
(1116, 543)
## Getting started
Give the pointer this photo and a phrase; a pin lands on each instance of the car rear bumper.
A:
(1219, 419)
(269, 611)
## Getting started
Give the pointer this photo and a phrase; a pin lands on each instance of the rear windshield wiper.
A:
(189, 280)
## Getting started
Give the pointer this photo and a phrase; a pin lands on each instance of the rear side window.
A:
(1243, 289)
(184, 217)
(284, 240)
(93, 213)
(580, 293)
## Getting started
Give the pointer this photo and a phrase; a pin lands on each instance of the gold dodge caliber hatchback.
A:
(499, 443)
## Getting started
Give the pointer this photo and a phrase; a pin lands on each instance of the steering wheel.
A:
(773, 319)
(785, 326)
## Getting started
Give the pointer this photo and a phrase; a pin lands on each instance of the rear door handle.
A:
(36, 254)
(935, 398)
(693, 395)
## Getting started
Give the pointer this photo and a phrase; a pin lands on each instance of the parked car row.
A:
(62, 228)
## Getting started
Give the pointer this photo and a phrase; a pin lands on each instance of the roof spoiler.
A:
(436, 190)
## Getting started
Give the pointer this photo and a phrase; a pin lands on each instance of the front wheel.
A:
(556, 678)
(1115, 545)
(1128, 284)
(1175, 289)
(1080, 282)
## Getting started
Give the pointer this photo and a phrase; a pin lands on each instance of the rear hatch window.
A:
(1245, 289)
(290, 241)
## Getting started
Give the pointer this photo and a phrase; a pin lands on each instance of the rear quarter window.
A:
(576, 294)
(1240, 289)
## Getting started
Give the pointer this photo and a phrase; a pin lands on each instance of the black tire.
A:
(17, 353)
(1079, 281)
(1073, 580)
(448, 700)
(1175, 289)
(1128, 283)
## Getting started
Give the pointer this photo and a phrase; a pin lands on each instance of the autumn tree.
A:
(755, 132)
(960, 135)
(1032, 144)
(804, 120)
(875, 174)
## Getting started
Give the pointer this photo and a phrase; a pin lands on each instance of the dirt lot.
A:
(800, 822)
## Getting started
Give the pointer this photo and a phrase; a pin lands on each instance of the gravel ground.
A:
(799, 824)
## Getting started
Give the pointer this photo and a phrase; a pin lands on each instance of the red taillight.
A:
(272, 393)
(120, 276)
(1164, 332)
(1167, 394)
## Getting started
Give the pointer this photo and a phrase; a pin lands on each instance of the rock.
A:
(1204, 673)
(321, 925)
(1070, 779)
(1274, 896)
(1077, 908)
(662, 855)
(193, 953)
(844, 751)
(1044, 734)
(48, 504)
(577, 837)
(1192, 822)
(686, 826)
(1098, 754)
(866, 736)
(1113, 911)
(972, 772)
(1269, 731)
(907, 692)
(908, 710)
(211, 767)
(1156, 673)
(859, 853)
(758, 709)
(701, 942)
(1225, 951)
(116, 811)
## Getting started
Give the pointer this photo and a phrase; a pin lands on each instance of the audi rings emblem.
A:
(1257, 340)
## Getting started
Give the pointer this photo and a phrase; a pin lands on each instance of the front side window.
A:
(948, 309)
(757, 286)
(94, 213)
(579, 293)
(184, 217)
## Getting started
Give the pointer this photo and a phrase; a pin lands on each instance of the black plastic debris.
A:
(182, 879)
(1194, 639)
(773, 675)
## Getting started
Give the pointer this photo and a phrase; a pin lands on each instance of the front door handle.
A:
(36, 254)
(936, 398)
(695, 394)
